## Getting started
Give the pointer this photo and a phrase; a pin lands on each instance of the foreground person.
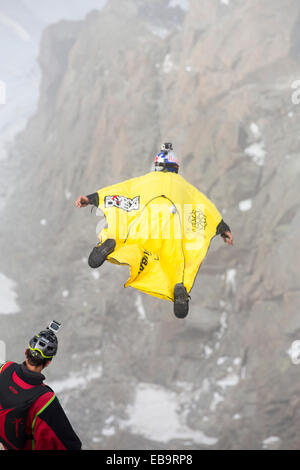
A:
(31, 417)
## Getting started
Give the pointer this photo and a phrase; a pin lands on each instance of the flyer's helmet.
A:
(166, 160)
(44, 345)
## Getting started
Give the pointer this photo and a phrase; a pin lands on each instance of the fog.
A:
(89, 90)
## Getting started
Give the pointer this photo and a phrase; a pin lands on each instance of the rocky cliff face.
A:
(216, 80)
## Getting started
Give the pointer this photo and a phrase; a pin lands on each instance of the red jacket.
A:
(47, 424)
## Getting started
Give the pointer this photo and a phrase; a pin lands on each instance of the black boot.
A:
(181, 301)
(100, 253)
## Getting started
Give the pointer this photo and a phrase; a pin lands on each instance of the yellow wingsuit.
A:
(163, 227)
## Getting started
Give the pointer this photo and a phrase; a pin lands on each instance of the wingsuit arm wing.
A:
(97, 199)
(222, 227)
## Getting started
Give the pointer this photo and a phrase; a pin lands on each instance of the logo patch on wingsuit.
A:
(144, 261)
(122, 202)
(197, 220)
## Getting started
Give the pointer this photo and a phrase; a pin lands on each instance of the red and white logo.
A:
(122, 202)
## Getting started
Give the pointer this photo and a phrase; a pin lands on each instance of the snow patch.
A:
(190, 69)
(77, 380)
(270, 442)
(230, 381)
(255, 130)
(140, 307)
(208, 351)
(220, 333)
(109, 431)
(245, 205)
(43, 222)
(157, 415)
(237, 361)
(96, 275)
(68, 194)
(160, 32)
(215, 401)
(294, 352)
(225, 2)
(168, 65)
(183, 4)
(221, 360)
(257, 152)
(110, 419)
(65, 294)
(230, 279)
(8, 296)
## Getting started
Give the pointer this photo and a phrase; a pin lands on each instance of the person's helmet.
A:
(166, 160)
(44, 345)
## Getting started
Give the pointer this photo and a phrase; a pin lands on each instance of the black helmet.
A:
(44, 345)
